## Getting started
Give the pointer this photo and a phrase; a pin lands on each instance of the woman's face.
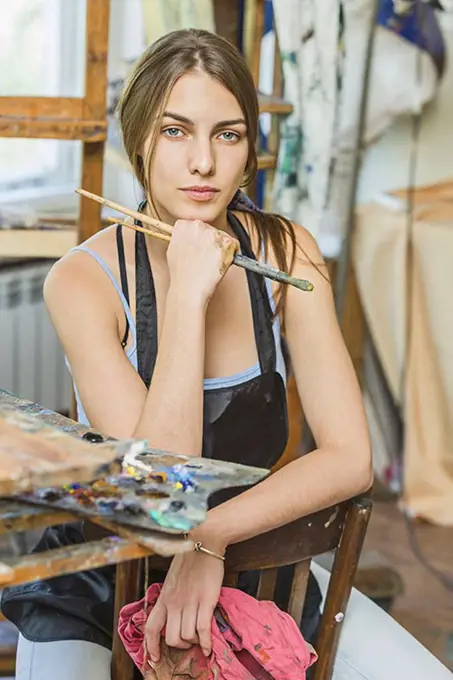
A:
(201, 152)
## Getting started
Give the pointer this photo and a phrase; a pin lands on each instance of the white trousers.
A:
(372, 647)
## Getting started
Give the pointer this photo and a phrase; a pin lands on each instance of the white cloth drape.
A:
(309, 50)
(323, 65)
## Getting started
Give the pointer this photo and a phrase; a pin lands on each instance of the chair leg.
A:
(127, 589)
(340, 585)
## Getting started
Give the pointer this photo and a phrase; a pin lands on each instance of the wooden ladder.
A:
(273, 104)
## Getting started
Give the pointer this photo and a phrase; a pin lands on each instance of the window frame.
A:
(54, 191)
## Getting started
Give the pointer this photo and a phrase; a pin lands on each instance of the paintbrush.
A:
(159, 229)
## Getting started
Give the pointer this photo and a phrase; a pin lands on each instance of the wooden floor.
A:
(425, 607)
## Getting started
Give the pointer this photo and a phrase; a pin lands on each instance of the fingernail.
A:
(154, 658)
(206, 652)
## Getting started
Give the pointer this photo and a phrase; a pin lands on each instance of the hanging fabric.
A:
(397, 86)
(163, 16)
(309, 50)
(323, 64)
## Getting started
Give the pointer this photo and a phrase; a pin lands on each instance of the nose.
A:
(201, 159)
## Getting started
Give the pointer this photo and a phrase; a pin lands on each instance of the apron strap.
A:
(261, 307)
(146, 308)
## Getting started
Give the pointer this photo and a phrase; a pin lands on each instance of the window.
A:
(42, 47)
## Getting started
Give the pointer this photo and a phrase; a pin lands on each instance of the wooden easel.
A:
(70, 118)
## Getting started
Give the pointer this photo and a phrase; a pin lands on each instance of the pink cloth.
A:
(250, 639)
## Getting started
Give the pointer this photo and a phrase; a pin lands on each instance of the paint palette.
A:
(134, 486)
(172, 498)
(154, 490)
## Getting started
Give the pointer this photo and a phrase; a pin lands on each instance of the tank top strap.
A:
(123, 276)
(124, 300)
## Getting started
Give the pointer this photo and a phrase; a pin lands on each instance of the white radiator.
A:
(31, 359)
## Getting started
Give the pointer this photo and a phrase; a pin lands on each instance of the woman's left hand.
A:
(186, 604)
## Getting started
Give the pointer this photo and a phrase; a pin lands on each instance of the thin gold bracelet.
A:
(198, 547)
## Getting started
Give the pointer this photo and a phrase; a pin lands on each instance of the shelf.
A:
(37, 243)
(49, 118)
(271, 104)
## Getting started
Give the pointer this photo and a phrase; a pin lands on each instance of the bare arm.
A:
(172, 416)
(83, 308)
(341, 465)
(82, 305)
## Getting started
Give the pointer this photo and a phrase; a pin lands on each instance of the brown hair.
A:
(146, 94)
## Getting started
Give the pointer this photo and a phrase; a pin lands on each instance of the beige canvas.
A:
(406, 293)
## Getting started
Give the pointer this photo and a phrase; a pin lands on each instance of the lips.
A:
(200, 193)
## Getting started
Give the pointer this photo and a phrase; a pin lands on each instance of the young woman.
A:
(167, 342)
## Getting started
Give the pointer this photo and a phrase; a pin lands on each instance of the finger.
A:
(204, 620)
(173, 630)
(148, 672)
(189, 624)
(154, 626)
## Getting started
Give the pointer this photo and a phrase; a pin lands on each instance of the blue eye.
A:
(172, 132)
(230, 136)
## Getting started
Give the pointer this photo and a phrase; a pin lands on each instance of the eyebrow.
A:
(220, 124)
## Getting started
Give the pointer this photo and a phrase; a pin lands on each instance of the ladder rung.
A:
(271, 104)
(266, 161)
(50, 118)
(53, 128)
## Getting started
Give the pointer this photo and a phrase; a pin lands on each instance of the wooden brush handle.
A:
(135, 227)
(157, 224)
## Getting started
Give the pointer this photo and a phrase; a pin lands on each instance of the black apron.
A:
(244, 423)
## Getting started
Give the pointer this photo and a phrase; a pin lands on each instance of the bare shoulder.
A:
(78, 280)
(313, 310)
(307, 245)
(308, 258)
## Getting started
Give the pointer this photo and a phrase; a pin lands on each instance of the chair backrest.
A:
(340, 528)
(292, 544)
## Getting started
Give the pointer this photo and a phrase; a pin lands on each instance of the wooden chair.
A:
(341, 528)
(8, 645)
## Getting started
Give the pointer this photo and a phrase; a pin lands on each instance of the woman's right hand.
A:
(198, 257)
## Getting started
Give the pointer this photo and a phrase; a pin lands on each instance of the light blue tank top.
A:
(209, 383)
